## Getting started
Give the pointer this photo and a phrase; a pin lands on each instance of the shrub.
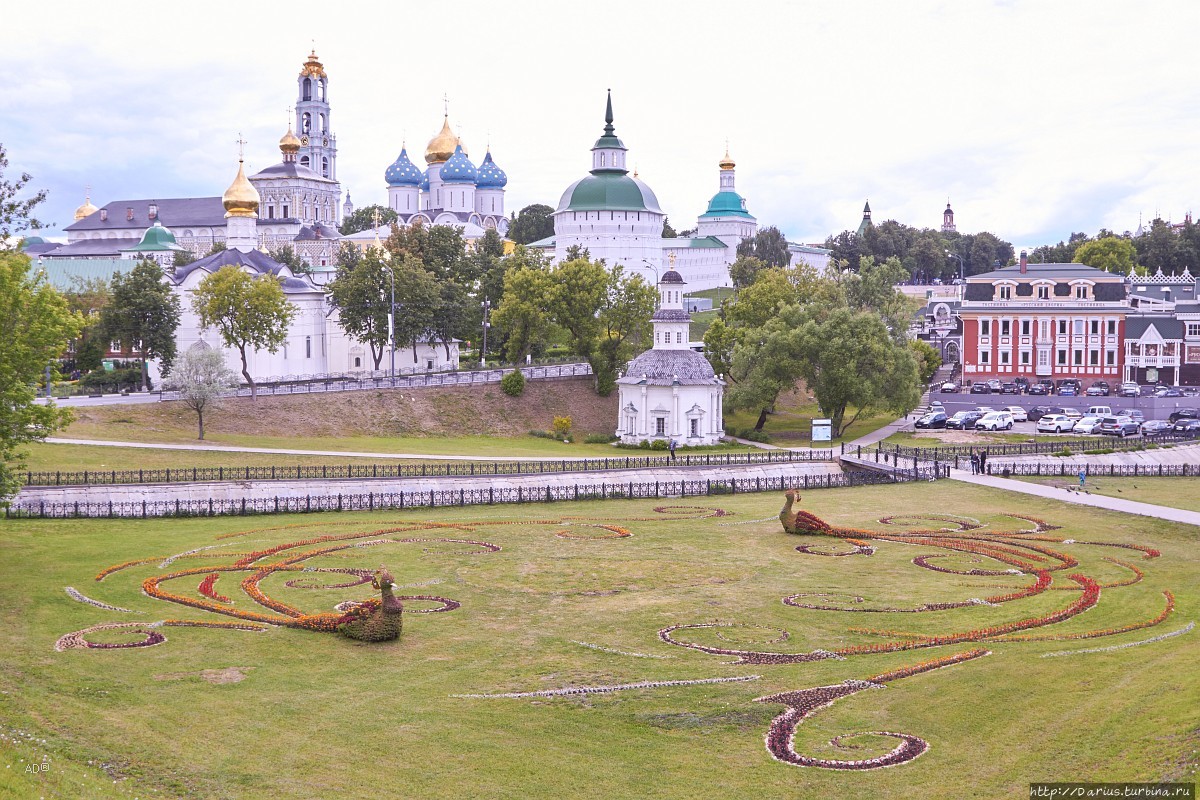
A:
(513, 384)
(752, 435)
(605, 383)
(600, 438)
(658, 444)
(562, 427)
(543, 434)
(118, 377)
(644, 444)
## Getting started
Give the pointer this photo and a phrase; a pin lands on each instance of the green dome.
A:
(608, 191)
(727, 204)
(157, 237)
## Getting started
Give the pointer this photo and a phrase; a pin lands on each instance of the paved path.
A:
(1079, 498)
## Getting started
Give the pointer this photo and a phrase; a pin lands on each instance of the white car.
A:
(1088, 425)
(1018, 413)
(995, 421)
(1055, 423)
(1074, 413)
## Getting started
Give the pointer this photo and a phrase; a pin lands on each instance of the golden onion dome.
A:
(289, 143)
(85, 210)
(726, 162)
(441, 147)
(312, 67)
(241, 198)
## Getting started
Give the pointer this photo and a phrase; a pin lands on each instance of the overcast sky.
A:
(1035, 119)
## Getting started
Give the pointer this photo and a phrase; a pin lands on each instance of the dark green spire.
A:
(609, 140)
(608, 117)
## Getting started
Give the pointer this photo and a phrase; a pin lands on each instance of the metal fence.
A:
(415, 381)
(1075, 446)
(374, 501)
(444, 469)
(1072, 469)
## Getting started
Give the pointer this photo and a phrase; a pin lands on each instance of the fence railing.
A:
(374, 501)
(1072, 469)
(444, 469)
(1075, 446)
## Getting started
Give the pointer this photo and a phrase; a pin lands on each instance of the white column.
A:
(674, 429)
(643, 414)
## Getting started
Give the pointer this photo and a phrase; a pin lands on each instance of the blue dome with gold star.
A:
(490, 175)
(458, 168)
(402, 172)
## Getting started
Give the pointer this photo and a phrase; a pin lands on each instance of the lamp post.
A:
(959, 259)
(486, 305)
(392, 321)
(653, 268)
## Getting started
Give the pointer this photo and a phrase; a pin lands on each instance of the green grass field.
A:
(288, 713)
(1171, 492)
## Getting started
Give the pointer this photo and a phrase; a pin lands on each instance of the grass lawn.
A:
(290, 713)
(1171, 492)
(791, 424)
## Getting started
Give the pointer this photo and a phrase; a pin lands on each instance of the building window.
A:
(1094, 358)
(678, 337)
(985, 357)
(1095, 327)
(660, 426)
(1005, 327)
(1193, 330)
(1081, 293)
(1025, 358)
(1078, 327)
(1110, 358)
(1062, 358)
(1005, 357)
(1005, 293)
(357, 361)
(308, 347)
(1043, 292)
(1025, 326)
(694, 427)
(985, 327)
(1079, 358)
(1062, 327)
(1112, 328)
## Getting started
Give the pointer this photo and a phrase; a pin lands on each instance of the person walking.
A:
(983, 462)
(974, 463)
(671, 447)
(1082, 477)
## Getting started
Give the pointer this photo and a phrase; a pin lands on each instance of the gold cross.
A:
(241, 143)
(377, 221)
(446, 104)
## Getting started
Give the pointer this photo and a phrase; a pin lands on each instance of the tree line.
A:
(1160, 247)
(924, 253)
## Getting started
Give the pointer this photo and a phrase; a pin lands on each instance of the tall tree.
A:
(247, 312)
(745, 269)
(768, 245)
(417, 299)
(287, 255)
(35, 326)
(361, 292)
(531, 224)
(1159, 249)
(364, 219)
(521, 316)
(200, 377)
(1111, 254)
(625, 317)
(143, 314)
(16, 214)
(668, 232)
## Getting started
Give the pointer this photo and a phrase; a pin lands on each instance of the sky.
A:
(1033, 119)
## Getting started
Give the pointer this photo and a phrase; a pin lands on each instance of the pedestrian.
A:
(974, 463)
(671, 447)
(1082, 477)
(983, 462)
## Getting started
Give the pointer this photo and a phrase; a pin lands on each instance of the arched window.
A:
(325, 167)
(324, 125)
(307, 95)
(357, 361)
(306, 122)
(304, 161)
(322, 86)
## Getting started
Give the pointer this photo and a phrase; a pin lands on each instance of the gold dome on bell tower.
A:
(241, 198)
(726, 162)
(441, 147)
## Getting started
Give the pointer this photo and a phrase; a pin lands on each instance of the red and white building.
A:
(1044, 322)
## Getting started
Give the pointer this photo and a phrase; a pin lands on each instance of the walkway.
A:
(1079, 498)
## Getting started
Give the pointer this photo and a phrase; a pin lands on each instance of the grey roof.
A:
(257, 260)
(1187, 308)
(662, 366)
(290, 169)
(1168, 327)
(671, 315)
(93, 248)
(317, 231)
(174, 213)
(1052, 271)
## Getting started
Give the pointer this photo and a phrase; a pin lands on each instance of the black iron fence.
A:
(1072, 469)
(1075, 446)
(415, 470)
(373, 501)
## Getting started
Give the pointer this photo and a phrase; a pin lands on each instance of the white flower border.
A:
(577, 690)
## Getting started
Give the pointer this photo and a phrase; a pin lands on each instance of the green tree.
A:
(88, 297)
(15, 214)
(35, 327)
(417, 299)
(288, 256)
(926, 258)
(577, 290)
(745, 269)
(361, 292)
(625, 316)
(1111, 254)
(217, 247)
(719, 342)
(767, 245)
(531, 224)
(928, 359)
(1159, 249)
(247, 312)
(364, 219)
(143, 314)
(521, 316)
(182, 258)
(200, 377)
(668, 232)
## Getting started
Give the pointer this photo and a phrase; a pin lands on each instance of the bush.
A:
(658, 444)
(120, 378)
(600, 438)
(605, 383)
(543, 434)
(752, 435)
(562, 427)
(513, 384)
(644, 444)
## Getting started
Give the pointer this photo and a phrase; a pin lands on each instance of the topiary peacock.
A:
(800, 521)
(375, 620)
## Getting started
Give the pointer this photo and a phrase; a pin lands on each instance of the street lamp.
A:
(392, 321)
(959, 259)
(486, 305)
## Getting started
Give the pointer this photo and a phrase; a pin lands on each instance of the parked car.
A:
(1101, 411)
(995, 421)
(1018, 413)
(963, 420)
(1087, 425)
(936, 405)
(950, 387)
(1067, 390)
(1187, 427)
(1055, 423)
(1134, 413)
(1154, 427)
(1098, 389)
(1118, 426)
(1183, 413)
(1037, 412)
(1130, 390)
(1074, 413)
(934, 419)
(1010, 388)
(979, 387)
(1167, 391)
(994, 384)
(1037, 388)
(983, 409)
